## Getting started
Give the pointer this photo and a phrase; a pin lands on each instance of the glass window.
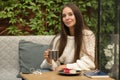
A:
(109, 40)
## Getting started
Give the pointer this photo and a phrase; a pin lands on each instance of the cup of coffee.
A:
(54, 54)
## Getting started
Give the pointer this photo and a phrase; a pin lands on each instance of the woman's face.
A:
(68, 17)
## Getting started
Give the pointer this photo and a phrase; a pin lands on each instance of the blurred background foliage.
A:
(40, 17)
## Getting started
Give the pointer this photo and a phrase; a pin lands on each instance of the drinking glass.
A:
(35, 71)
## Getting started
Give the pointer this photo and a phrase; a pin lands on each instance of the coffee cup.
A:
(54, 54)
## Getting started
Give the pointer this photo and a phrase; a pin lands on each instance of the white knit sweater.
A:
(86, 61)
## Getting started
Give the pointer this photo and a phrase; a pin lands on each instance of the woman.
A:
(75, 42)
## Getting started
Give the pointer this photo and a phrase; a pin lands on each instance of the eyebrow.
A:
(68, 13)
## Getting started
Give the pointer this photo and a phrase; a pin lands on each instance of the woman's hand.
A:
(61, 67)
(46, 56)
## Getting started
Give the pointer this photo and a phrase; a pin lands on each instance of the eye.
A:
(70, 14)
(63, 15)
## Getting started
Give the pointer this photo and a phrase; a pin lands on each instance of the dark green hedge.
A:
(41, 17)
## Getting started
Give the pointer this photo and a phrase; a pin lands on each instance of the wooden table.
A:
(55, 76)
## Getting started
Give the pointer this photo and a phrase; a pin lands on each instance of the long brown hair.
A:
(78, 28)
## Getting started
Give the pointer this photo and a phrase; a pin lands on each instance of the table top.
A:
(55, 76)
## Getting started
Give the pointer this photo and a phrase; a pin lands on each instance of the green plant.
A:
(42, 17)
(107, 16)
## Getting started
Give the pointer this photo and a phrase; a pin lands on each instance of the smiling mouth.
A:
(68, 23)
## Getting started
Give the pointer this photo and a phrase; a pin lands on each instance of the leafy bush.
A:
(41, 17)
